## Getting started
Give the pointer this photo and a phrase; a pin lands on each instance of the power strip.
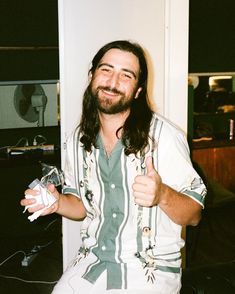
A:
(27, 148)
(30, 257)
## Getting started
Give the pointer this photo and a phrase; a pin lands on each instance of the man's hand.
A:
(147, 188)
(30, 202)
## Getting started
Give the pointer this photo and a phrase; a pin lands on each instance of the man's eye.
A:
(127, 76)
(105, 69)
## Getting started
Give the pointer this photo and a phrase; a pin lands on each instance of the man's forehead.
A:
(124, 59)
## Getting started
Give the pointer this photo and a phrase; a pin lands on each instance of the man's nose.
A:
(113, 81)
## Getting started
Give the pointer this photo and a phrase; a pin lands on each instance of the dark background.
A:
(29, 40)
(28, 51)
(211, 36)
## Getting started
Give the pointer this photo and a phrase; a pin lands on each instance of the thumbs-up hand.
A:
(147, 188)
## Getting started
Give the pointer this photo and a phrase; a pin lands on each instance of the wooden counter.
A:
(217, 158)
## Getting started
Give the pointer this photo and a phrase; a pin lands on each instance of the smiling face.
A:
(114, 82)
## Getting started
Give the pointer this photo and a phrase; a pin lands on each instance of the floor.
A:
(40, 273)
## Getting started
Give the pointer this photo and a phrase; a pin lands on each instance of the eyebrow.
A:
(124, 69)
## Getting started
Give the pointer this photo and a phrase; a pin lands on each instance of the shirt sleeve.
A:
(70, 186)
(175, 166)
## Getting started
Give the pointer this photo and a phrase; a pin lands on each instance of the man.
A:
(129, 177)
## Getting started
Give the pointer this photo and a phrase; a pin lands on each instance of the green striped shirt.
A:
(133, 244)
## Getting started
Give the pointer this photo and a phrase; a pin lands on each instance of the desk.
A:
(33, 156)
(217, 158)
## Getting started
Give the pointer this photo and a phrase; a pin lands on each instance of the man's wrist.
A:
(164, 195)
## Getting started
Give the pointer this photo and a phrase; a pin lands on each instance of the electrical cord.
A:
(9, 257)
(22, 139)
(36, 250)
(39, 247)
(50, 224)
(36, 142)
(5, 147)
(37, 138)
(26, 143)
(28, 281)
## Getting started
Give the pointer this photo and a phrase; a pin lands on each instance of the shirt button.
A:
(103, 248)
(114, 215)
(113, 186)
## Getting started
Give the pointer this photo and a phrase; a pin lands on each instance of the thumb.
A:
(52, 188)
(149, 166)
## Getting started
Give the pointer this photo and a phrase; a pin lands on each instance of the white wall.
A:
(86, 25)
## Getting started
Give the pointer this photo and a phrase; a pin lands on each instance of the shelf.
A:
(203, 114)
(212, 144)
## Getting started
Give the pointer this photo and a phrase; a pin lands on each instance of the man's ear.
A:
(138, 92)
(90, 76)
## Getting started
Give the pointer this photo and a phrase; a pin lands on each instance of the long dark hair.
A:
(136, 127)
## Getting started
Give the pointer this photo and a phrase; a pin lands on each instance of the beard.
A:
(107, 105)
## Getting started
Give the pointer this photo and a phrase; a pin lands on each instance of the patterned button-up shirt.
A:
(117, 235)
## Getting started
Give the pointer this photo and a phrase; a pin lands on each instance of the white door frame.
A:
(172, 101)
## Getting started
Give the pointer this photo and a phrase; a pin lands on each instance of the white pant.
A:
(71, 283)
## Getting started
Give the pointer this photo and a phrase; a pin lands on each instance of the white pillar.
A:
(85, 26)
(176, 61)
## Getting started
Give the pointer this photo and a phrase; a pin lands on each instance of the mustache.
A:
(113, 90)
